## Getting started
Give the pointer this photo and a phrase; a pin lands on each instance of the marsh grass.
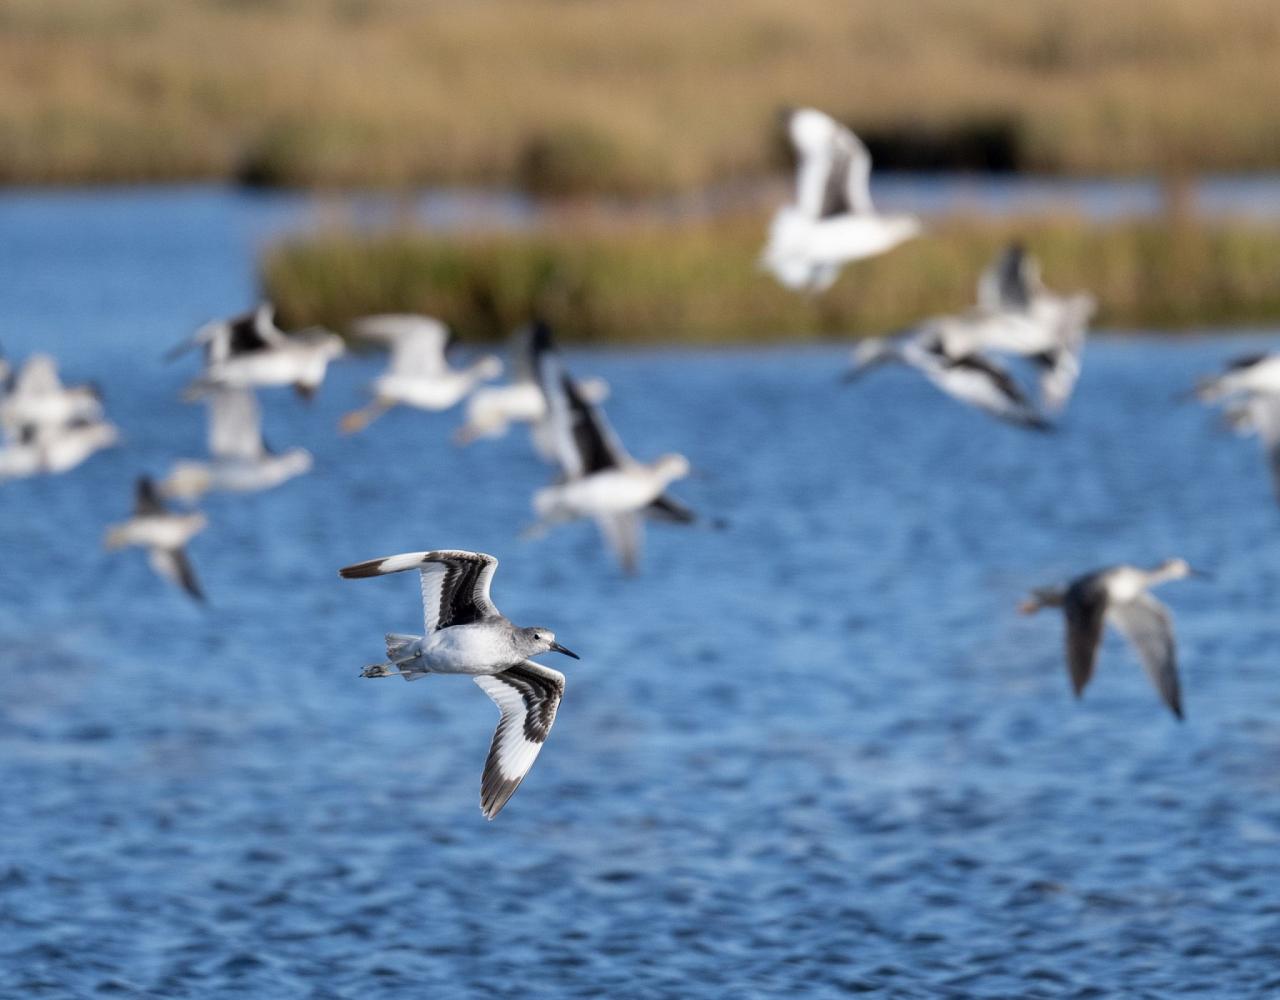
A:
(624, 96)
(699, 281)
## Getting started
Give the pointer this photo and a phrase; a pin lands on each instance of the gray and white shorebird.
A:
(419, 374)
(467, 634)
(1119, 595)
(832, 220)
(599, 478)
(1249, 390)
(250, 351)
(240, 460)
(971, 378)
(163, 533)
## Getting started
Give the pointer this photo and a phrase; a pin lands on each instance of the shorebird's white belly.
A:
(260, 368)
(435, 393)
(491, 408)
(170, 531)
(614, 491)
(850, 237)
(477, 648)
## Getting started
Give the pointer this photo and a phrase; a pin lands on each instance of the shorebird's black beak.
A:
(304, 390)
(557, 648)
(1200, 574)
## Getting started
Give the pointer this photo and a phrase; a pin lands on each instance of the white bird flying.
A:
(419, 374)
(832, 221)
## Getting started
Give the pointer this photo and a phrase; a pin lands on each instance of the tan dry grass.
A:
(629, 95)
(699, 282)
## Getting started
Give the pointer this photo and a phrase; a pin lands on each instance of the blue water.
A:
(813, 753)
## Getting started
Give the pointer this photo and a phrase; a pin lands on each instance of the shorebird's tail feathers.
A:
(398, 647)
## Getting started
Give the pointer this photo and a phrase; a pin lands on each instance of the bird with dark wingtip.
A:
(1118, 594)
(466, 634)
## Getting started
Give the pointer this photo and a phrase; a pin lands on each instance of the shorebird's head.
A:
(488, 367)
(902, 227)
(1041, 597)
(671, 467)
(1179, 569)
(534, 640)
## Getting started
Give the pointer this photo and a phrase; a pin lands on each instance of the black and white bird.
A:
(832, 220)
(1249, 390)
(599, 479)
(1118, 594)
(466, 634)
(1032, 321)
(250, 351)
(971, 378)
(240, 461)
(35, 398)
(419, 374)
(163, 533)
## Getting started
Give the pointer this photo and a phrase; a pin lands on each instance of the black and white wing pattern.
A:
(1085, 607)
(455, 583)
(527, 696)
(173, 565)
(1145, 622)
(584, 441)
(1010, 282)
(235, 423)
(980, 382)
(834, 170)
(146, 499)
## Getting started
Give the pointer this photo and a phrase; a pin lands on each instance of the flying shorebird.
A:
(491, 409)
(36, 398)
(1055, 325)
(1249, 389)
(249, 351)
(241, 461)
(970, 378)
(832, 221)
(419, 374)
(1118, 594)
(53, 450)
(466, 634)
(599, 479)
(163, 533)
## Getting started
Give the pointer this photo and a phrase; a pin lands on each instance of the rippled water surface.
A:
(813, 753)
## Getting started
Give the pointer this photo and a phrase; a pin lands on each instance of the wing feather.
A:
(528, 696)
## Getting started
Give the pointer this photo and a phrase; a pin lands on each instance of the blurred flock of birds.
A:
(1014, 354)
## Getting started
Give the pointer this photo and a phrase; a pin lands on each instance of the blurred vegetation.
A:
(624, 96)
(605, 280)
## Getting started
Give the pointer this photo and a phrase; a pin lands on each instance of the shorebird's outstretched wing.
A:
(417, 343)
(834, 170)
(146, 499)
(173, 565)
(1145, 622)
(235, 423)
(241, 334)
(1085, 607)
(584, 441)
(455, 583)
(37, 377)
(980, 382)
(1010, 281)
(528, 696)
